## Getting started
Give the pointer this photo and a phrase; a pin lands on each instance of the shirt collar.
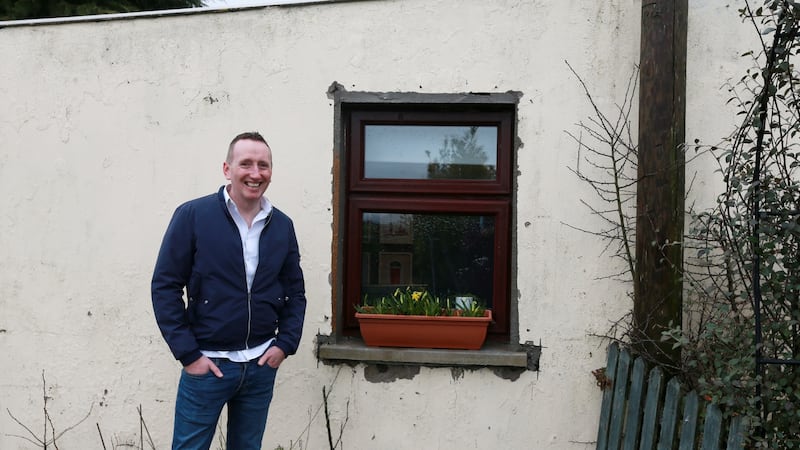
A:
(266, 206)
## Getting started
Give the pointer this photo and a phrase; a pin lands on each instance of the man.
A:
(238, 260)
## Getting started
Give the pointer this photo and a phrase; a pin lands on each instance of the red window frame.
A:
(359, 119)
(484, 197)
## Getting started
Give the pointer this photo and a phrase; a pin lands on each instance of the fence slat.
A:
(689, 423)
(625, 421)
(736, 434)
(651, 404)
(618, 409)
(634, 415)
(608, 397)
(712, 428)
(669, 414)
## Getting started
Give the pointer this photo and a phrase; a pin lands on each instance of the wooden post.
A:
(658, 292)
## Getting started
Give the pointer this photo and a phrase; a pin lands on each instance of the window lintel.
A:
(344, 97)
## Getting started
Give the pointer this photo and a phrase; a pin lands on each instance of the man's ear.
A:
(226, 170)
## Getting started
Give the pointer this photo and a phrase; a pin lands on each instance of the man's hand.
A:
(273, 357)
(202, 366)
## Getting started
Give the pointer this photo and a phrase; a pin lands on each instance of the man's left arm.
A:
(290, 320)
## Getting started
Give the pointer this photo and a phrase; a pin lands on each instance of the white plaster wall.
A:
(719, 66)
(107, 126)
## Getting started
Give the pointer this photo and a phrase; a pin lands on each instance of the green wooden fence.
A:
(640, 413)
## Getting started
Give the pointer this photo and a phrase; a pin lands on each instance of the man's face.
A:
(249, 171)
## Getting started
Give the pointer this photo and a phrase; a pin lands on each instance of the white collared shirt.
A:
(250, 236)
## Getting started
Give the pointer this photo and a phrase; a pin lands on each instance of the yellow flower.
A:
(416, 295)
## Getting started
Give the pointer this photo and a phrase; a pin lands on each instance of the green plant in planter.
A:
(418, 303)
(473, 309)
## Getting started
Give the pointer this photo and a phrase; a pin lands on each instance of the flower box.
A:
(450, 332)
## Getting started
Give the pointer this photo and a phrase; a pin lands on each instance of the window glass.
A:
(419, 152)
(447, 254)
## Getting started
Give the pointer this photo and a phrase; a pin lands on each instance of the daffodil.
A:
(416, 303)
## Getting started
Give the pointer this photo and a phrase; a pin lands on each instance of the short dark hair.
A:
(248, 135)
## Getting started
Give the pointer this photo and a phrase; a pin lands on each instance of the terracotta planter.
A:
(453, 332)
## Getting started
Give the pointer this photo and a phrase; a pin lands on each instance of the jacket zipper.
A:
(249, 319)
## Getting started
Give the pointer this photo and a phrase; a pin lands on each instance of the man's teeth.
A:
(254, 184)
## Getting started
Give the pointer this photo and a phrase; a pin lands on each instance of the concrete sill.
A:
(491, 355)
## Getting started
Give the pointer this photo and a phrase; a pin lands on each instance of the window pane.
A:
(447, 254)
(419, 152)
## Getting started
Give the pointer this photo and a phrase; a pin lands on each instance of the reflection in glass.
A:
(419, 152)
(447, 254)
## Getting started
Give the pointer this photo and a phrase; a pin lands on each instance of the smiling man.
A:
(237, 259)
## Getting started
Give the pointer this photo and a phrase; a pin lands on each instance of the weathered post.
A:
(658, 290)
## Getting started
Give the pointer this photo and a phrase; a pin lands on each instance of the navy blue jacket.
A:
(202, 253)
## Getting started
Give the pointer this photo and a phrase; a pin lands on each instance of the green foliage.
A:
(473, 308)
(36, 9)
(419, 303)
(742, 255)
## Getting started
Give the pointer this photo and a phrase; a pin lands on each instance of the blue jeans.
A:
(247, 390)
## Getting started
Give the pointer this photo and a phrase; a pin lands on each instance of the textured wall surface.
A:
(107, 126)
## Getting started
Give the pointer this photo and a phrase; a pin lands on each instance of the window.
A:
(427, 203)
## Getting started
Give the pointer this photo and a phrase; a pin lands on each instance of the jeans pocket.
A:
(198, 376)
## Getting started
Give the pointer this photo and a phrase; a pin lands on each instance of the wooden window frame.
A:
(358, 119)
(484, 197)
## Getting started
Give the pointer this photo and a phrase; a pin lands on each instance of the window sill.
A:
(348, 350)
